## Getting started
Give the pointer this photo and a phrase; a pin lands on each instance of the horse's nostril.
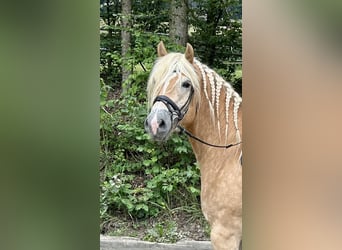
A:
(162, 123)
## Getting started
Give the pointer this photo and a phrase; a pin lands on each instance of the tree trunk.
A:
(126, 6)
(179, 21)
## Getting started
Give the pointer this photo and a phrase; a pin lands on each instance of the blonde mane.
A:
(216, 84)
(166, 66)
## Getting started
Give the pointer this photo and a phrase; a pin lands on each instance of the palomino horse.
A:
(186, 94)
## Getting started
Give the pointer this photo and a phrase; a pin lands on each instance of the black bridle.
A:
(177, 114)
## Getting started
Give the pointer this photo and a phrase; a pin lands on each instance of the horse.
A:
(185, 95)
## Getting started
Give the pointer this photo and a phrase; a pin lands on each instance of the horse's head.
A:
(173, 89)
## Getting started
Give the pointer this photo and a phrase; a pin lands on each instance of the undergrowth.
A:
(139, 177)
(167, 227)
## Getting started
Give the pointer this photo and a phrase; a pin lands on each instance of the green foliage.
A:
(138, 176)
(235, 78)
(215, 31)
(216, 35)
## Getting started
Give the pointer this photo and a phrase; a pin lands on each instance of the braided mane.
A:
(166, 65)
(216, 83)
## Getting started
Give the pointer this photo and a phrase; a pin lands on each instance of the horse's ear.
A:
(161, 49)
(189, 53)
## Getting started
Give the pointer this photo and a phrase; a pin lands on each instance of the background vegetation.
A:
(139, 178)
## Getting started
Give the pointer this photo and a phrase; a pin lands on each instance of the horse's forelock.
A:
(164, 68)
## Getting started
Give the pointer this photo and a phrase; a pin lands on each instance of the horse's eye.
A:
(186, 84)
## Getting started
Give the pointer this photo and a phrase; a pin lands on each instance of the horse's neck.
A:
(221, 130)
(214, 132)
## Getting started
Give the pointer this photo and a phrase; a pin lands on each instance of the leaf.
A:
(142, 207)
(168, 188)
(182, 149)
(128, 204)
(147, 163)
(194, 190)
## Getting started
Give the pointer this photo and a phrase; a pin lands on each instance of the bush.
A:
(138, 176)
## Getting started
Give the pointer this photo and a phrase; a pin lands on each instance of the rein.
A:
(177, 114)
(183, 130)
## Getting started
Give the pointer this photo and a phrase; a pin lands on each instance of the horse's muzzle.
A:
(158, 124)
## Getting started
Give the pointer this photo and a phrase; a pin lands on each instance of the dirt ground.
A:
(168, 228)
